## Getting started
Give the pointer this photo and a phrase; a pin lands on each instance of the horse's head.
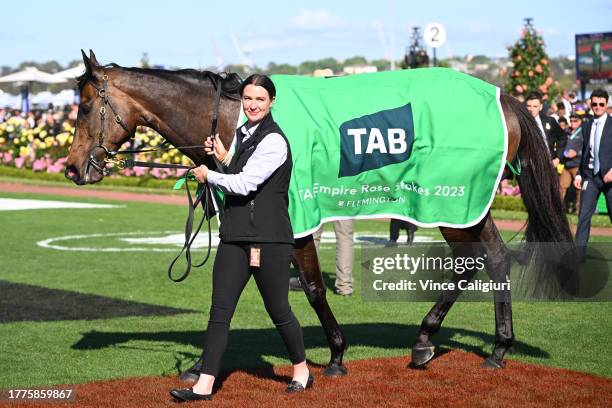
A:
(106, 119)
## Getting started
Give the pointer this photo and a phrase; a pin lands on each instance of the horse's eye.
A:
(85, 109)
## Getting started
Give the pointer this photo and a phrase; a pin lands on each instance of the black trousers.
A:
(231, 272)
(588, 204)
(396, 225)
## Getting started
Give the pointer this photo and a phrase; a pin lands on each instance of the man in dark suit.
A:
(595, 173)
(552, 133)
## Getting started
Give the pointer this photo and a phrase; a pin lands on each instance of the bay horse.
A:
(179, 106)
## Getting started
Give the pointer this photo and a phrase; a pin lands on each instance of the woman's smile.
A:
(256, 102)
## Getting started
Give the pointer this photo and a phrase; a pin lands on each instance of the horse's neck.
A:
(184, 116)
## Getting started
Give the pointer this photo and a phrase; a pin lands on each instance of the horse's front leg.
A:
(305, 255)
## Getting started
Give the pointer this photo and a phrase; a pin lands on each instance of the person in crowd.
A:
(564, 125)
(566, 100)
(560, 112)
(553, 135)
(256, 235)
(394, 232)
(30, 120)
(595, 171)
(581, 109)
(72, 115)
(572, 154)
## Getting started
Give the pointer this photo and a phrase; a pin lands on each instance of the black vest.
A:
(262, 215)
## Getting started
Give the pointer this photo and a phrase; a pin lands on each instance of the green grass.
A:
(568, 335)
(145, 183)
(596, 221)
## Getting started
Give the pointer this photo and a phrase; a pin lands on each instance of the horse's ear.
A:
(92, 58)
(87, 63)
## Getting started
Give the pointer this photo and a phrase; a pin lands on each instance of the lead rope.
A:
(203, 197)
(516, 171)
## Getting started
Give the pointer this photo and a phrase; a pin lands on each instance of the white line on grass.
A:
(16, 204)
(142, 241)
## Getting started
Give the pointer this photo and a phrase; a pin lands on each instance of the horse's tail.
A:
(549, 242)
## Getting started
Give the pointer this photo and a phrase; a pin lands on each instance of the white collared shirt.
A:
(269, 155)
(602, 122)
(538, 120)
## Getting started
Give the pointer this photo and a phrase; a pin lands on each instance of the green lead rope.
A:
(179, 183)
(515, 170)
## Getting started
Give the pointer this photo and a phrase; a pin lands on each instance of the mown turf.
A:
(568, 335)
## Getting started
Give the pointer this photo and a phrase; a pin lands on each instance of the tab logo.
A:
(376, 140)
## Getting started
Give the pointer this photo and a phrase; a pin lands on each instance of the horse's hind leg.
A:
(312, 282)
(463, 243)
(498, 268)
(486, 241)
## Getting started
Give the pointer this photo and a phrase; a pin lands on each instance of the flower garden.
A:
(44, 149)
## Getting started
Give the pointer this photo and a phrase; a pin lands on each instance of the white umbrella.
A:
(71, 73)
(32, 74)
(65, 97)
(25, 77)
(10, 101)
(42, 98)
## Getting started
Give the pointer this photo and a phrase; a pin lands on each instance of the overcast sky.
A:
(199, 34)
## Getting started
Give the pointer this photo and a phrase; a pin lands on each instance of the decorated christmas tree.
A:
(530, 71)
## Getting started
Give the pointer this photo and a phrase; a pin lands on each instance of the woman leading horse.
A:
(178, 104)
(256, 235)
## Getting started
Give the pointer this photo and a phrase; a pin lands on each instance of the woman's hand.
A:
(213, 146)
(201, 173)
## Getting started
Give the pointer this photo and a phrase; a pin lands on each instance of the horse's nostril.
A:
(71, 173)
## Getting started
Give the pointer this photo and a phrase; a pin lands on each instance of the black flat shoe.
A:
(187, 394)
(295, 386)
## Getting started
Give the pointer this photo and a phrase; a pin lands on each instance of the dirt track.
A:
(453, 379)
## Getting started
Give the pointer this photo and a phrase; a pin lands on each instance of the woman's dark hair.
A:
(259, 80)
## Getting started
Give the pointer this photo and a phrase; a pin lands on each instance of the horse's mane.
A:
(230, 82)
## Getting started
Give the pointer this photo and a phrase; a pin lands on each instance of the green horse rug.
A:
(427, 146)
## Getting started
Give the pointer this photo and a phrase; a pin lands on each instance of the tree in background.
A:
(531, 71)
(144, 60)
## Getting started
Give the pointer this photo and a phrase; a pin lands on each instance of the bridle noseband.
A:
(108, 154)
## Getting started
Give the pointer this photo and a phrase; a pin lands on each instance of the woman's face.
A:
(256, 102)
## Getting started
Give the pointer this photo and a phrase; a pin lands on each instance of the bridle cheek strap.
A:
(108, 154)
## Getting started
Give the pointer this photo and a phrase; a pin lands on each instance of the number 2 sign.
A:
(434, 35)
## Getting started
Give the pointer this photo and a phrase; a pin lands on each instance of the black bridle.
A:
(203, 196)
(109, 155)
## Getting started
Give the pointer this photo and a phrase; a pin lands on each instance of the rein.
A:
(202, 197)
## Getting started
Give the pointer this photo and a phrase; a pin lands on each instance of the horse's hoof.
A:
(335, 370)
(490, 363)
(421, 355)
(190, 375)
